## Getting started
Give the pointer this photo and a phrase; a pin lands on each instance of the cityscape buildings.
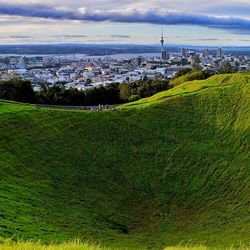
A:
(83, 72)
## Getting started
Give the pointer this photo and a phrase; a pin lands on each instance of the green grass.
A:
(38, 246)
(173, 167)
(200, 247)
(86, 246)
(190, 76)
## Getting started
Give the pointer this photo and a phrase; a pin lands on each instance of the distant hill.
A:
(163, 170)
(71, 49)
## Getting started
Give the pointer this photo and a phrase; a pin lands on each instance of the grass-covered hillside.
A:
(192, 75)
(168, 169)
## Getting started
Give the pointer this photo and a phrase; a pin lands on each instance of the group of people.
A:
(103, 107)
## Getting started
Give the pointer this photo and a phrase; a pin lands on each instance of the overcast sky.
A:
(193, 22)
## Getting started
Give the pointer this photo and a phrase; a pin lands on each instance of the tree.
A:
(182, 72)
(125, 91)
(17, 90)
(134, 98)
(197, 63)
(228, 69)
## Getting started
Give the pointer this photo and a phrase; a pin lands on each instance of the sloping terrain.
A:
(173, 167)
(190, 76)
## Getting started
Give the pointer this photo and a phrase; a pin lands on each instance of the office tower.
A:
(219, 52)
(206, 52)
(183, 53)
(139, 60)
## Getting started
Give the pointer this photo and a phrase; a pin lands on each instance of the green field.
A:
(171, 168)
(82, 246)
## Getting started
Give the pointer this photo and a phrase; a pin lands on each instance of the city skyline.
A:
(224, 23)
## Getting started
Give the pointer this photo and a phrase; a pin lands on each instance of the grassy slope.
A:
(173, 167)
(193, 75)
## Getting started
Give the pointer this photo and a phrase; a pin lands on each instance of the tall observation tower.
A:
(162, 41)
(163, 51)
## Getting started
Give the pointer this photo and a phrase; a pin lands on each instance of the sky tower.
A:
(163, 51)
(162, 41)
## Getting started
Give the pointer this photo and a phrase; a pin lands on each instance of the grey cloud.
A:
(103, 40)
(114, 36)
(233, 24)
(69, 36)
(230, 9)
(120, 36)
(206, 39)
(19, 37)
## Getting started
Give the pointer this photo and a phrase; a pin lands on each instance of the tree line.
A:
(115, 93)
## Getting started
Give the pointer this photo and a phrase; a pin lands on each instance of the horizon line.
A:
(124, 44)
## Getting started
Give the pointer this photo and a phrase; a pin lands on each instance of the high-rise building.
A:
(164, 55)
(206, 52)
(183, 53)
(191, 60)
(139, 60)
(219, 52)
